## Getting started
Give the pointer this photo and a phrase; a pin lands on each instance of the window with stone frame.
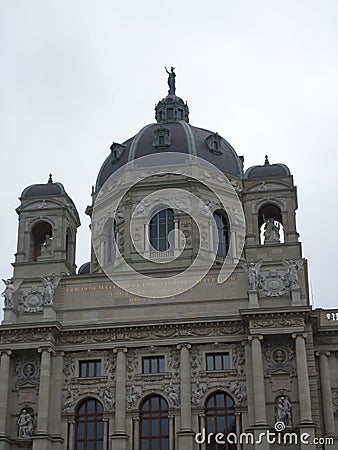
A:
(220, 418)
(89, 430)
(153, 364)
(218, 361)
(154, 426)
(90, 368)
(162, 138)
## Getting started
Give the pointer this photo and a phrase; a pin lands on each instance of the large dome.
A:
(173, 136)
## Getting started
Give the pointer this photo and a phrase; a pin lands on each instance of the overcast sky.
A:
(77, 75)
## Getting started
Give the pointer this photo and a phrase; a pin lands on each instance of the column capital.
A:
(136, 418)
(295, 335)
(120, 349)
(255, 336)
(180, 346)
(46, 349)
(6, 352)
(324, 353)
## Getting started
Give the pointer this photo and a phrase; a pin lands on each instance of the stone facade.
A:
(281, 356)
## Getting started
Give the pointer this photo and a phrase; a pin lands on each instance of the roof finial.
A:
(266, 161)
(50, 179)
(171, 80)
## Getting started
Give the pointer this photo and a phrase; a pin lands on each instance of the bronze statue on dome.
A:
(171, 80)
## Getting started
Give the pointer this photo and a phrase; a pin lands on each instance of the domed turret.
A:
(267, 170)
(48, 221)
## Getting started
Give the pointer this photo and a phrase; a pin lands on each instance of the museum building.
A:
(87, 365)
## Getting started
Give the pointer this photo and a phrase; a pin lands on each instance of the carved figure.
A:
(50, 284)
(134, 395)
(236, 389)
(7, 294)
(25, 423)
(271, 230)
(252, 270)
(172, 394)
(70, 399)
(283, 410)
(292, 273)
(197, 393)
(47, 246)
(108, 398)
(171, 80)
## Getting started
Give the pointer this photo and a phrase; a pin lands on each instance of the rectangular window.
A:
(152, 364)
(90, 368)
(170, 113)
(218, 361)
(161, 140)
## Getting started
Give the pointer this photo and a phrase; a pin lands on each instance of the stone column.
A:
(4, 392)
(44, 391)
(105, 433)
(258, 380)
(146, 237)
(185, 387)
(185, 435)
(41, 440)
(325, 383)
(238, 429)
(71, 433)
(249, 384)
(303, 380)
(120, 436)
(171, 419)
(56, 396)
(136, 433)
(202, 429)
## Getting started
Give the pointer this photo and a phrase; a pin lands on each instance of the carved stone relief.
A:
(108, 396)
(197, 392)
(238, 359)
(276, 322)
(31, 300)
(279, 357)
(27, 370)
(273, 284)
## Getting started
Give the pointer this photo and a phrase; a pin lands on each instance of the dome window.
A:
(213, 142)
(116, 151)
(162, 138)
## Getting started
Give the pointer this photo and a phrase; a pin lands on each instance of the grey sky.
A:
(78, 75)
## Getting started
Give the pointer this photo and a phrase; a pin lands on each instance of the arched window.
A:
(159, 228)
(89, 425)
(221, 234)
(154, 433)
(41, 233)
(220, 418)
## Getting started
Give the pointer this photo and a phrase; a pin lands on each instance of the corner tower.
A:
(48, 221)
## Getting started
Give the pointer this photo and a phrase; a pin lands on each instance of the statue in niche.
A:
(283, 410)
(7, 294)
(47, 246)
(25, 423)
(292, 273)
(171, 80)
(252, 270)
(271, 231)
(50, 284)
